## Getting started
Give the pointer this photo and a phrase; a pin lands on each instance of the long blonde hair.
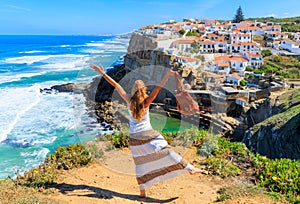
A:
(138, 95)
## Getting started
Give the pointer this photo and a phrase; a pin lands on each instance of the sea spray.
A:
(18, 102)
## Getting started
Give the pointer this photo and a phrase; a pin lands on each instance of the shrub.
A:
(239, 190)
(243, 82)
(222, 167)
(266, 53)
(281, 175)
(249, 69)
(225, 148)
(74, 155)
(182, 32)
(119, 139)
(193, 33)
(192, 136)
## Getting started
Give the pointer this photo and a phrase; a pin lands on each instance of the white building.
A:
(297, 37)
(220, 46)
(275, 35)
(255, 60)
(240, 37)
(243, 47)
(291, 46)
(183, 45)
(254, 30)
(207, 46)
(234, 79)
(237, 63)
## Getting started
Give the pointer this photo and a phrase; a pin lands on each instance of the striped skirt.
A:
(154, 159)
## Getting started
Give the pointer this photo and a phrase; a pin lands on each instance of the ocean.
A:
(32, 123)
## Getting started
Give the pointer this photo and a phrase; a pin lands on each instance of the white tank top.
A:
(139, 126)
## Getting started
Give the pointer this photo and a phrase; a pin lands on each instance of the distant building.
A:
(234, 79)
(240, 37)
(255, 60)
(242, 47)
(291, 46)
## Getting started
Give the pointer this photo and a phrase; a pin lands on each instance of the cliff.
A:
(277, 134)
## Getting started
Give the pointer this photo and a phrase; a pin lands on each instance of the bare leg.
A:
(197, 170)
(142, 193)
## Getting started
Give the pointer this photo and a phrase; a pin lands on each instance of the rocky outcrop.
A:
(278, 136)
(69, 87)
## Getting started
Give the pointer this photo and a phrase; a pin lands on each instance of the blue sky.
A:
(86, 17)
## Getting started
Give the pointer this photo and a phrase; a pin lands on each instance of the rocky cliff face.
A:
(273, 126)
(143, 51)
(277, 136)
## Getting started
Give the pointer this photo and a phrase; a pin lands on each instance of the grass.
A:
(245, 190)
(277, 178)
(64, 158)
(280, 119)
(10, 192)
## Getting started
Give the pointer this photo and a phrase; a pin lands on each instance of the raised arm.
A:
(156, 90)
(110, 80)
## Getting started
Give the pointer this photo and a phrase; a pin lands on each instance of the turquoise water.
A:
(33, 124)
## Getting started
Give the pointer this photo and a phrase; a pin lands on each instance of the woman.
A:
(154, 159)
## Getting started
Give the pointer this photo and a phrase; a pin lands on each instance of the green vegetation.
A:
(63, 158)
(281, 175)
(10, 192)
(182, 32)
(239, 16)
(282, 66)
(119, 139)
(266, 53)
(243, 82)
(279, 178)
(195, 47)
(193, 33)
(240, 190)
(291, 24)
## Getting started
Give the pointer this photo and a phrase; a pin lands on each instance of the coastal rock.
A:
(70, 87)
(278, 136)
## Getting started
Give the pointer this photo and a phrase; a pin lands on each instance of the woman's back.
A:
(139, 126)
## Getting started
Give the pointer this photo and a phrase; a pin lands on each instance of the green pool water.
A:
(162, 123)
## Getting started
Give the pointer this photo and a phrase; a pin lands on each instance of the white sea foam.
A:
(14, 103)
(17, 77)
(41, 58)
(31, 51)
(26, 59)
(40, 153)
(65, 62)
(95, 44)
(65, 45)
(92, 51)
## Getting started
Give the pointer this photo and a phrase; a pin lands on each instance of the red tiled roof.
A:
(188, 59)
(230, 58)
(240, 34)
(235, 75)
(223, 64)
(183, 41)
(244, 43)
(248, 28)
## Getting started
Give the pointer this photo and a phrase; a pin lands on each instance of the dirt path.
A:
(103, 182)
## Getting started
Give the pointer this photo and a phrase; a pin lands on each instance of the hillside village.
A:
(224, 48)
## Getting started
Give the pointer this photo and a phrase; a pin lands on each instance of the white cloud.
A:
(14, 8)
